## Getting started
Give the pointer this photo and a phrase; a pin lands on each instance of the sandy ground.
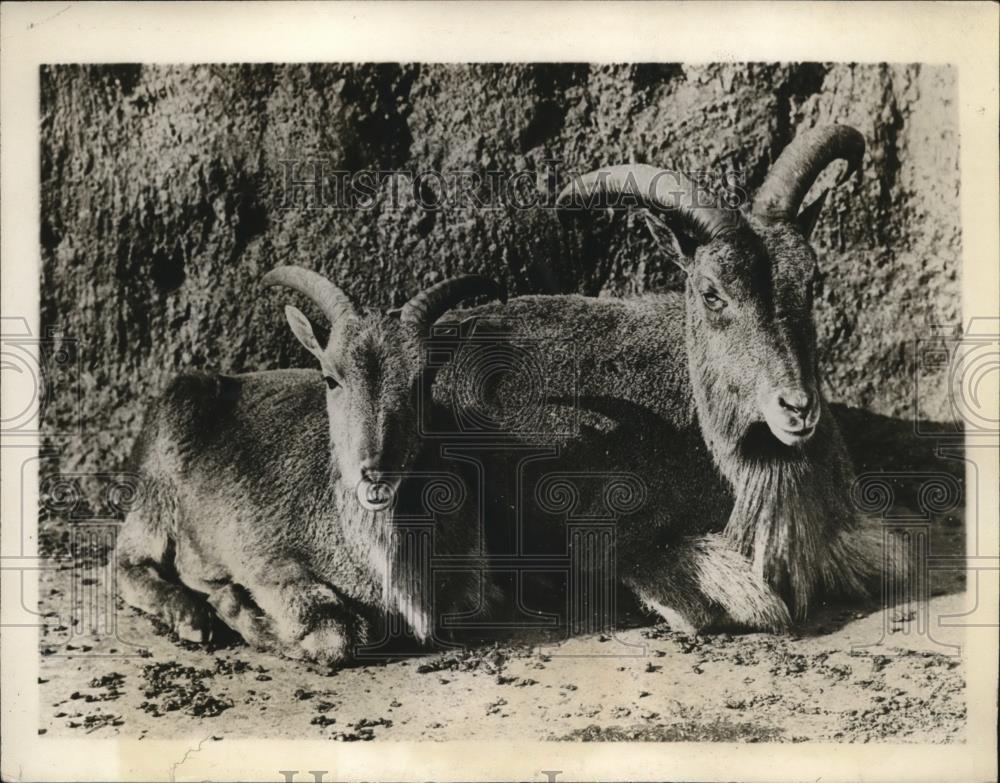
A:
(853, 674)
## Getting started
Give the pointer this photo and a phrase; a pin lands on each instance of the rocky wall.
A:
(165, 197)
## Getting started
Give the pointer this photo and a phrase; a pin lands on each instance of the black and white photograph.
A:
(570, 401)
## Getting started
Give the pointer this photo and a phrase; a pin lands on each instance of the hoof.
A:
(327, 645)
(235, 608)
(227, 601)
(308, 604)
(192, 621)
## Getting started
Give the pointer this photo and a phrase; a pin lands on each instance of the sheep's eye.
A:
(713, 301)
(331, 384)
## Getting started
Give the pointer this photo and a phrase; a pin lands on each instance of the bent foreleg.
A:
(144, 555)
(699, 583)
(308, 618)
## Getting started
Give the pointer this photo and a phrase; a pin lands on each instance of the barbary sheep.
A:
(269, 496)
(665, 386)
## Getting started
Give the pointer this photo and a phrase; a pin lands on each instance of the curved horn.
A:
(332, 302)
(685, 205)
(801, 162)
(427, 306)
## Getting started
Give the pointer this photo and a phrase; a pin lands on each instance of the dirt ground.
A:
(853, 674)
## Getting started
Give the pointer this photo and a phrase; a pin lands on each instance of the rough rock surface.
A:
(164, 200)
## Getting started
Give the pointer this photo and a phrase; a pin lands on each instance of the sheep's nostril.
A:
(797, 401)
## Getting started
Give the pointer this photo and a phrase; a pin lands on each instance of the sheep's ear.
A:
(674, 243)
(303, 330)
(809, 216)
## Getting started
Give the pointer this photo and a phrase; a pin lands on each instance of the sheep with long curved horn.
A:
(723, 374)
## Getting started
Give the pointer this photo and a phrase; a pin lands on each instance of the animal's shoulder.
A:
(254, 441)
(261, 410)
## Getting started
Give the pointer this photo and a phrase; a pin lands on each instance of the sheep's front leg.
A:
(143, 554)
(699, 583)
(307, 618)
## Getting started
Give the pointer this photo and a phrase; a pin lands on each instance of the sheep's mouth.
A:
(793, 437)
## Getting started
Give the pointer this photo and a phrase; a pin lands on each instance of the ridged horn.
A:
(331, 301)
(801, 162)
(427, 306)
(682, 203)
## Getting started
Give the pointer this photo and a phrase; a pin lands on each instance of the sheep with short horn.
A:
(269, 494)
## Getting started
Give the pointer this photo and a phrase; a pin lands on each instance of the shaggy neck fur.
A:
(369, 537)
(792, 514)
